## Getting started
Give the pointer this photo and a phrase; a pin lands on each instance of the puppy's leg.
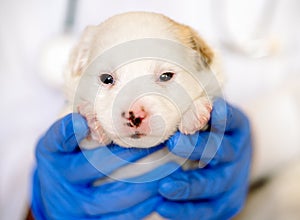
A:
(97, 136)
(196, 117)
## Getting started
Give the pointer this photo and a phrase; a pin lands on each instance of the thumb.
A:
(65, 134)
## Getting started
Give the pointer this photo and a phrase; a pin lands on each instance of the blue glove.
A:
(218, 190)
(63, 180)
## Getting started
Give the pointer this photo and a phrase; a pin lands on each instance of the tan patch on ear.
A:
(190, 38)
(198, 44)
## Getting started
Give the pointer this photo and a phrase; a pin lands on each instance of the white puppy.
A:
(141, 101)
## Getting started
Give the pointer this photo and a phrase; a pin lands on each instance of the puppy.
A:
(138, 78)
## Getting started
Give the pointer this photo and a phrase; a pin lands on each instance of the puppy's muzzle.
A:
(134, 117)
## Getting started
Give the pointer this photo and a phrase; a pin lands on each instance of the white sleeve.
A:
(275, 126)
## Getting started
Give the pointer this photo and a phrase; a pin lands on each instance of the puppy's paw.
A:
(197, 117)
(97, 136)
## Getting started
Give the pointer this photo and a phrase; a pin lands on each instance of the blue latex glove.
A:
(217, 191)
(62, 182)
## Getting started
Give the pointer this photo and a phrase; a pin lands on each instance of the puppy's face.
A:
(141, 102)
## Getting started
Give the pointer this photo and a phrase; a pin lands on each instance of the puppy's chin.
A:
(143, 140)
(139, 141)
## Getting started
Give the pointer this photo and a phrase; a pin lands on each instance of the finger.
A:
(116, 197)
(206, 146)
(206, 183)
(76, 169)
(94, 201)
(174, 210)
(223, 207)
(140, 211)
(225, 117)
(156, 173)
(108, 159)
(64, 134)
(85, 167)
(228, 136)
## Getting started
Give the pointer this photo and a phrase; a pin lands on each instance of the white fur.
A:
(166, 113)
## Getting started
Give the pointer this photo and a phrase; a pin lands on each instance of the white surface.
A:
(54, 57)
(30, 106)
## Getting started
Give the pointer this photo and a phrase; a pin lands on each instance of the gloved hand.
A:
(217, 191)
(62, 182)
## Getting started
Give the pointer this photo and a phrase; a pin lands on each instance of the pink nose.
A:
(135, 117)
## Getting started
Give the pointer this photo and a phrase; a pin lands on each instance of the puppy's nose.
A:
(135, 117)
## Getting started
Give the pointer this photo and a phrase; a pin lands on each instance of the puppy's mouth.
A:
(137, 135)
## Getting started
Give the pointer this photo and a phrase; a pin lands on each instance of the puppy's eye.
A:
(106, 78)
(166, 76)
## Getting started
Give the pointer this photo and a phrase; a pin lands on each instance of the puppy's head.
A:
(138, 77)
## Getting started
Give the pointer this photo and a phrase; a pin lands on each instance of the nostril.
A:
(131, 116)
(137, 121)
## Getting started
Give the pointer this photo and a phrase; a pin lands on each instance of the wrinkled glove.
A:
(218, 190)
(63, 180)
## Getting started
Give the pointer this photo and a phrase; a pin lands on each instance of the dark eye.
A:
(106, 78)
(166, 76)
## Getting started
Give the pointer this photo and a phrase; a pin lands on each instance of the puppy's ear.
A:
(80, 56)
(192, 39)
(201, 47)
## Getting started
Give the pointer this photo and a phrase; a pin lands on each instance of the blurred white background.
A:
(258, 42)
